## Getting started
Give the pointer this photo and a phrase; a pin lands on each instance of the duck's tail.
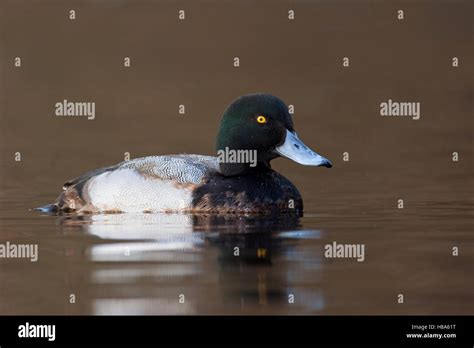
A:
(69, 200)
(48, 208)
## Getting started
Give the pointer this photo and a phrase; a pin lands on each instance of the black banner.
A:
(290, 330)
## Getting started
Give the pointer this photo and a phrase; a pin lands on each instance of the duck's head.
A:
(260, 124)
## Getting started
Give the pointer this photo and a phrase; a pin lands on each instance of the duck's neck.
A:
(236, 169)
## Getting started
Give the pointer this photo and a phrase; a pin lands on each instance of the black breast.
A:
(267, 192)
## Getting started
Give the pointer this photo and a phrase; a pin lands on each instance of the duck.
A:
(254, 130)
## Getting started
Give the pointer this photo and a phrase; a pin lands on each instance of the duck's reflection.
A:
(199, 264)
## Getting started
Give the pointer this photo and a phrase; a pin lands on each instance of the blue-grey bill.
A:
(294, 149)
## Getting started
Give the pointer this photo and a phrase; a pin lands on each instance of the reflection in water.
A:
(198, 264)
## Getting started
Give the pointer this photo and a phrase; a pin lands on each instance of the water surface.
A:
(143, 263)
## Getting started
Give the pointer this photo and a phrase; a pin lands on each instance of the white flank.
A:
(128, 191)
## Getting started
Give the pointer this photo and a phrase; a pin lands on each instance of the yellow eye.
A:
(261, 119)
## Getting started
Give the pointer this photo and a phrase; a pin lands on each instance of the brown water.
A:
(141, 264)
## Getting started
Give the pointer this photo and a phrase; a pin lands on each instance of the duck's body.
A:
(177, 183)
(258, 124)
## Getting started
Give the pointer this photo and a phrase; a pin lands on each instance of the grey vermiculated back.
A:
(182, 168)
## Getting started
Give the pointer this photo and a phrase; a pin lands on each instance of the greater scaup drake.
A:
(257, 124)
